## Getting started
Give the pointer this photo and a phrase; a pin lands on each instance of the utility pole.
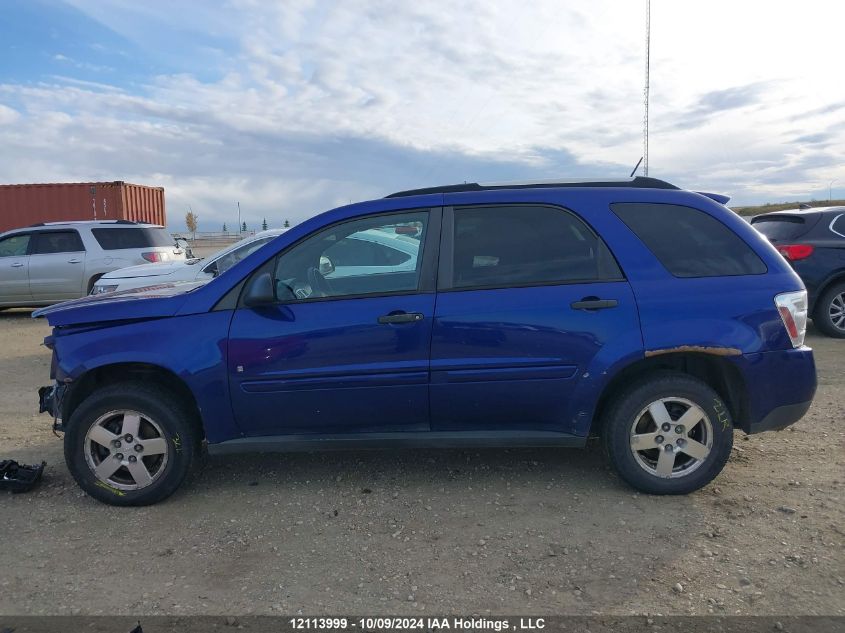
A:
(239, 217)
(830, 190)
(646, 88)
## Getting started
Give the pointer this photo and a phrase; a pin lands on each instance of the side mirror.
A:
(259, 291)
(182, 243)
(326, 266)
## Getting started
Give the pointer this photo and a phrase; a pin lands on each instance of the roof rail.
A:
(63, 222)
(639, 182)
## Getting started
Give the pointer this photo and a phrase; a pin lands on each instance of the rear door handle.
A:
(73, 261)
(401, 317)
(594, 303)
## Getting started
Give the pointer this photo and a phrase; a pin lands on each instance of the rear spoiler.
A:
(715, 196)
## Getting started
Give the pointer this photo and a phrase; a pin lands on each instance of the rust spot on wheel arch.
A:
(698, 349)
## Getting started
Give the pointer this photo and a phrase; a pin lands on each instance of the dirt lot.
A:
(521, 531)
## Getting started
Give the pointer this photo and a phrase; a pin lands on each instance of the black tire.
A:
(822, 317)
(692, 474)
(162, 415)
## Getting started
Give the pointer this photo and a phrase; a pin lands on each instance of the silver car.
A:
(56, 261)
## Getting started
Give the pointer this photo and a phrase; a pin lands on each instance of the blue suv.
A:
(462, 316)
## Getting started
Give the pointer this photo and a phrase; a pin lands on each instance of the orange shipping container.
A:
(23, 205)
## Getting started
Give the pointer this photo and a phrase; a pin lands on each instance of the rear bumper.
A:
(781, 417)
(780, 386)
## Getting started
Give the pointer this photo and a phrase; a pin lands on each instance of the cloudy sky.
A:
(295, 106)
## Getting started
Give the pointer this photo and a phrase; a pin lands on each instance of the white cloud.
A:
(8, 115)
(319, 102)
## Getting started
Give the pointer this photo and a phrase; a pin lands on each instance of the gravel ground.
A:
(487, 532)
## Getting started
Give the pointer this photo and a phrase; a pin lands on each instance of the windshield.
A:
(225, 261)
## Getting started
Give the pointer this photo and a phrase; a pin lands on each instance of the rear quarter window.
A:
(837, 225)
(112, 239)
(689, 242)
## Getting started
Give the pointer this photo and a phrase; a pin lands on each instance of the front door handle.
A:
(73, 261)
(594, 303)
(17, 265)
(401, 317)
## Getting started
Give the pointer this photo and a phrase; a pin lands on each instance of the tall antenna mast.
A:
(646, 88)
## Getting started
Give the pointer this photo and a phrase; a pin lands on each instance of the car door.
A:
(14, 268)
(527, 297)
(338, 355)
(56, 265)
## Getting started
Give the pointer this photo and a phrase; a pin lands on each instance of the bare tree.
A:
(191, 222)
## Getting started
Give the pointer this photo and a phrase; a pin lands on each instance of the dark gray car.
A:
(813, 241)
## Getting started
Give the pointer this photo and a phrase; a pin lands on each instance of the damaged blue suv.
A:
(461, 316)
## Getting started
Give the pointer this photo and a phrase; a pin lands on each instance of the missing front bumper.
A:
(50, 401)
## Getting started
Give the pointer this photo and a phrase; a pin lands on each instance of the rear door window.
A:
(526, 245)
(49, 242)
(780, 228)
(112, 239)
(689, 242)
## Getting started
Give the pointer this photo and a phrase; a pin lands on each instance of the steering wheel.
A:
(318, 283)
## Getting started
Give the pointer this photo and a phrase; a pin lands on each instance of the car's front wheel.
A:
(130, 444)
(829, 315)
(669, 433)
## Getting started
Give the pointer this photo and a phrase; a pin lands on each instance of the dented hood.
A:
(150, 302)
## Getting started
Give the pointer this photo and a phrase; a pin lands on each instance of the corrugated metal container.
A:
(23, 205)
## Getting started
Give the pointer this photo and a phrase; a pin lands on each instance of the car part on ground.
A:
(17, 478)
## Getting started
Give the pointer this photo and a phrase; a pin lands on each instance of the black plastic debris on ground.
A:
(17, 477)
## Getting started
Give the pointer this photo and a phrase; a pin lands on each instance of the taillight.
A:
(792, 307)
(794, 252)
(153, 256)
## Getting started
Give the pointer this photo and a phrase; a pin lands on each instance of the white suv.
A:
(55, 261)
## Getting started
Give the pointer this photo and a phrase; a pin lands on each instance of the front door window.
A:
(372, 256)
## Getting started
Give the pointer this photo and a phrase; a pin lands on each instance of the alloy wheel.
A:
(836, 310)
(126, 450)
(671, 437)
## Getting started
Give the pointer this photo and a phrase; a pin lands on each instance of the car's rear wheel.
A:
(130, 444)
(829, 314)
(669, 433)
